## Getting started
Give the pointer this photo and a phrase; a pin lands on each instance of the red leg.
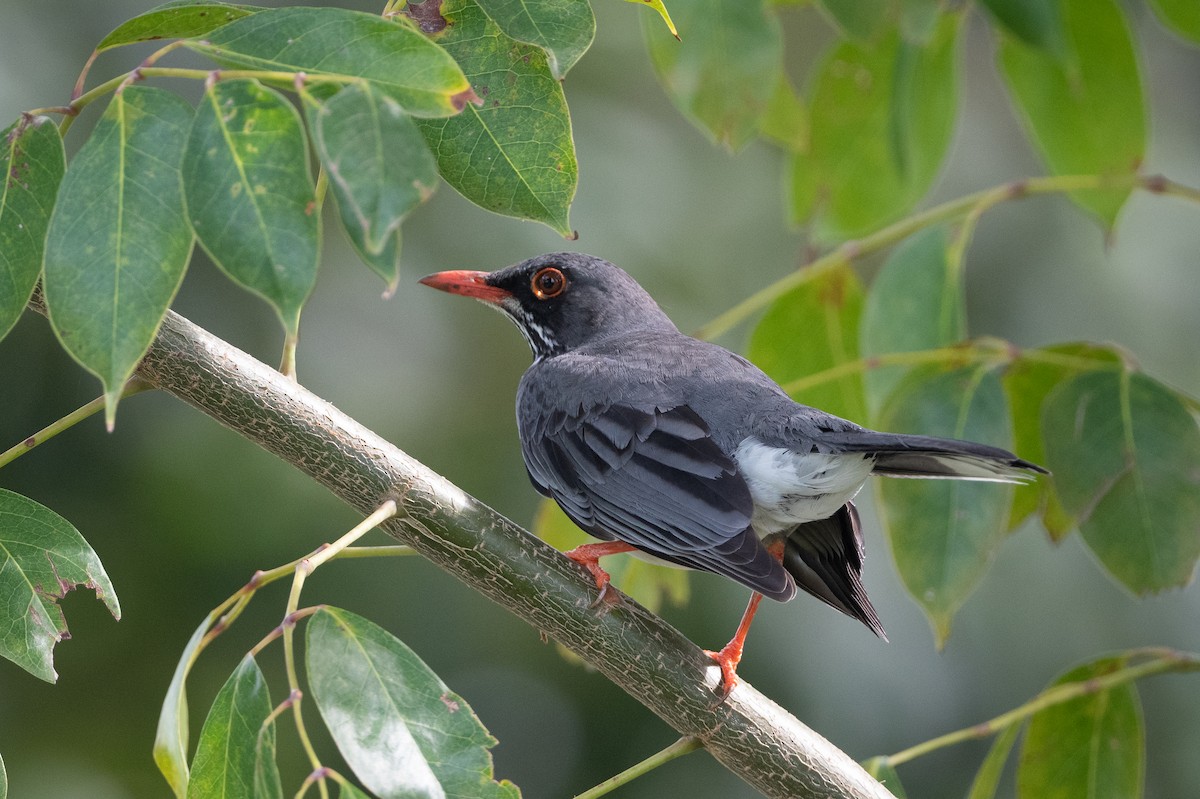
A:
(588, 556)
(731, 654)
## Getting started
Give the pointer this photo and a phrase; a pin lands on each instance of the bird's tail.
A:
(899, 455)
(825, 558)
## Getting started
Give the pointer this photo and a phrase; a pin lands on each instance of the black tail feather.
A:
(825, 559)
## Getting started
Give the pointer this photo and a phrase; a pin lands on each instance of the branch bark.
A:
(751, 735)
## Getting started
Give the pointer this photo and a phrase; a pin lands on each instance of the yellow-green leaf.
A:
(1085, 112)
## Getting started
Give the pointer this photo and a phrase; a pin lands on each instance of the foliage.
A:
(472, 91)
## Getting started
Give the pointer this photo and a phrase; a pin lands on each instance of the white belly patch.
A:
(789, 488)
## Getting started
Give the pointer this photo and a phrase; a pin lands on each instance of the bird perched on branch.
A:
(656, 442)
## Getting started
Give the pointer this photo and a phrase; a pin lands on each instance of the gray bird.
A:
(654, 441)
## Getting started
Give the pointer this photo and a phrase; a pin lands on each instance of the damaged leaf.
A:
(513, 153)
(42, 557)
(563, 28)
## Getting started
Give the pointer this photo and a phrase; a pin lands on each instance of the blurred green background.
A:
(182, 511)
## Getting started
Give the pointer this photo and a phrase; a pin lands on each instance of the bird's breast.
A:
(790, 488)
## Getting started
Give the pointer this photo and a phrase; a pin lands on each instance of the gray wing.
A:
(653, 478)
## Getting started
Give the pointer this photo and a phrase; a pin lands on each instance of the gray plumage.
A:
(688, 451)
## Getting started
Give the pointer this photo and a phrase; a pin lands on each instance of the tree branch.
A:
(751, 735)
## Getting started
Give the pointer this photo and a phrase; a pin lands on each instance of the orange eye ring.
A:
(548, 283)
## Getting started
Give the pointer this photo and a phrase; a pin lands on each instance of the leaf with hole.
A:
(176, 20)
(226, 753)
(944, 532)
(118, 242)
(378, 165)
(723, 73)
(250, 197)
(333, 44)
(1085, 112)
(812, 329)
(402, 731)
(1125, 453)
(32, 163)
(563, 28)
(42, 557)
(512, 154)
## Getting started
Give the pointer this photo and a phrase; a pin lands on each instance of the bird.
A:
(681, 451)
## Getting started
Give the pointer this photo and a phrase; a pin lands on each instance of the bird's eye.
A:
(548, 283)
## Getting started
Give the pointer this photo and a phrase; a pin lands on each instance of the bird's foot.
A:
(588, 556)
(727, 658)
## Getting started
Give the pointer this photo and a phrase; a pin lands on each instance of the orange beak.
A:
(466, 283)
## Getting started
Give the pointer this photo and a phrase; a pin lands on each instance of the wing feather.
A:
(654, 478)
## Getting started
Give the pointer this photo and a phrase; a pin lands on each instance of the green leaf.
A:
(171, 738)
(339, 45)
(118, 242)
(987, 779)
(658, 6)
(224, 765)
(1037, 23)
(811, 329)
(786, 118)
(1086, 113)
(723, 73)
(880, 769)
(402, 731)
(1182, 16)
(882, 117)
(1125, 453)
(176, 20)
(348, 791)
(1092, 747)
(32, 163)
(42, 557)
(267, 783)
(563, 28)
(1028, 381)
(919, 18)
(513, 154)
(915, 303)
(649, 584)
(860, 19)
(3, 780)
(379, 167)
(250, 197)
(944, 532)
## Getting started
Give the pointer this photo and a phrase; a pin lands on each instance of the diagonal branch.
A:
(751, 735)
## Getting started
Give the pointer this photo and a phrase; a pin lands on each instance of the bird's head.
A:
(560, 301)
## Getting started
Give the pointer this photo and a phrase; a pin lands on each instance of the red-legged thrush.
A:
(654, 441)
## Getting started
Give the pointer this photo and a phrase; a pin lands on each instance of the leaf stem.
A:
(977, 203)
(1162, 661)
(83, 100)
(305, 567)
(134, 385)
(981, 350)
(681, 747)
